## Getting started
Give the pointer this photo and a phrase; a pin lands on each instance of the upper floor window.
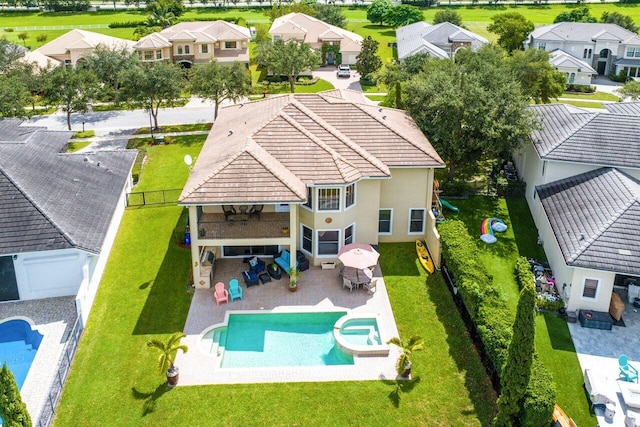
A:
(187, 49)
(542, 45)
(633, 52)
(587, 53)
(350, 195)
(328, 199)
(204, 48)
(148, 55)
(158, 54)
(179, 50)
(309, 202)
(416, 221)
(230, 45)
(590, 288)
(384, 221)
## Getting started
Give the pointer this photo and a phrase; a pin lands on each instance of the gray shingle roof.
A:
(574, 135)
(422, 37)
(68, 199)
(560, 58)
(595, 217)
(582, 32)
(630, 108)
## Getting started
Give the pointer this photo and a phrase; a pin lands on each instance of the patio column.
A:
(293, 234)
(195, 246)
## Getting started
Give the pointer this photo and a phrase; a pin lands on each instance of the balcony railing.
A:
(270, 225)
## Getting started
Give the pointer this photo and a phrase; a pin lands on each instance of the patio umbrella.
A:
(358, 255)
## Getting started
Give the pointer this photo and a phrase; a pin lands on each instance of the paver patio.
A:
(318, 289)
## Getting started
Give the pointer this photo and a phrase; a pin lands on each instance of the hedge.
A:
(492, 316)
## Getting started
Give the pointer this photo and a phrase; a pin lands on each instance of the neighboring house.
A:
(327, 169)
(71, 46)
(59, 213)
(439, 41)
(189, 43)
(577, 71)
(607, 48)
(582, 171)
(304, 28)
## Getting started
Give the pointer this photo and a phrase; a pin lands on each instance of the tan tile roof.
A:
(315, 30)
(81, 39)
(203, 31)
(269, 150)
(40, 59)
(152, 41)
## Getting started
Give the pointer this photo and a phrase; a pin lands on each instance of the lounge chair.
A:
(250, 278)
(220, 293)
(628, 372)
(256, 265)
(235, 291)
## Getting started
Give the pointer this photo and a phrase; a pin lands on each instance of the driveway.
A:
(328, 73)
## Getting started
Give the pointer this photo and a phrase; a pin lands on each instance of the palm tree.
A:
(403, 365)
(168, 351)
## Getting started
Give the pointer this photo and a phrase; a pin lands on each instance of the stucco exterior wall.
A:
(603, 292)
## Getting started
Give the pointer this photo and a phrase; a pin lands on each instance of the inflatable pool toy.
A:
(488, 226)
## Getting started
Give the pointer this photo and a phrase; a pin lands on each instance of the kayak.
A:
(424, 257)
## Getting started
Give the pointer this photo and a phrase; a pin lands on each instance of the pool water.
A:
(361, 332)
(18, 347)
(281, 339)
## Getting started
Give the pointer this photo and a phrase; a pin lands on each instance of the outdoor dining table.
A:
(356, 276)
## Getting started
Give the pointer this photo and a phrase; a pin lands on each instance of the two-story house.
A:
(582, 171)
(441, 41)
(189, 43)
(309, 172)
(607, 48)
(71, 46)
(316, 33)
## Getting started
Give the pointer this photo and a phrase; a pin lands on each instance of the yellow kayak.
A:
(424, 257)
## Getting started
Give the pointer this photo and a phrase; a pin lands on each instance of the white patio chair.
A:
(371, 286)
(346, 283)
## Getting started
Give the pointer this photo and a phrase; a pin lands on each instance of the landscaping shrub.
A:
(621, 77)
(581, 88)
(127, 24)
(510, 187)
(540, 397)
(492, 315)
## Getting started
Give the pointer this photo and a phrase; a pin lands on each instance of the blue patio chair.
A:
(235, 291)
(628, 372)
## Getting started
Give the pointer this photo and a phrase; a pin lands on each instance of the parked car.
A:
(344, 71)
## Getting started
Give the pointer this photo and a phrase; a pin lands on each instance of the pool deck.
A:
(54, 318)
(317, 290)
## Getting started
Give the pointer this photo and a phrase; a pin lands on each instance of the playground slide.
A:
(449, 205)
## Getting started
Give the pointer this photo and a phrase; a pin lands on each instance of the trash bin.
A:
(187, 238)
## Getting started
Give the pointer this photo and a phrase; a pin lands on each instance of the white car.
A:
(344, 71)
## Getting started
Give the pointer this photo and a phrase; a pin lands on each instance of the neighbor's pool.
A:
(277, 339)
(18, 347)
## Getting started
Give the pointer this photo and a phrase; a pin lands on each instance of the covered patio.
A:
(318, 289)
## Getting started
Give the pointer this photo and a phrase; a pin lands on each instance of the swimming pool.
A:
(19, 344)
(360, 335)
(276, 339)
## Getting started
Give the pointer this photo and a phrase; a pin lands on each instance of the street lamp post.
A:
(150, 118)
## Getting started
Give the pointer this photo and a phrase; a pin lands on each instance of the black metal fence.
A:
(49, 408)
(157, 197)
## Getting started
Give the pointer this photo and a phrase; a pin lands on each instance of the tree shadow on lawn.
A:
(165, 310)
(389, 32)
(524, 229)
(149, 398)
(400, 387)
(462, 350)
(559, 334)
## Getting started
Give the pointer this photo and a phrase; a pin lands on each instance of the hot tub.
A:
(359, 335)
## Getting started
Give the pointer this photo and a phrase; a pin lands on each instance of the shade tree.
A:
(73, 89)
(377, 10)
(289, 59)
(447, 15)
(219, 82)
(512, 29)
(368, 61)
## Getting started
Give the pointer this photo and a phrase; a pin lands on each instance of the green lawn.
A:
(75, 146)
(553, 341)
(581, 104)
(143, 295)
(596, 96)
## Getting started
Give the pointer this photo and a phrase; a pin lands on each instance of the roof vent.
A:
(384, 117)
(230, 132)
(581, 237)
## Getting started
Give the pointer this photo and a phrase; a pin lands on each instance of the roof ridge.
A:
(392, 127)
(578, 128)
(40, 210)
(341, 136)
(334, 154)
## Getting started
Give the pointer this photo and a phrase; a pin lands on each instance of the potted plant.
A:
(403, 365)
(294, 274)
(168, 351)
